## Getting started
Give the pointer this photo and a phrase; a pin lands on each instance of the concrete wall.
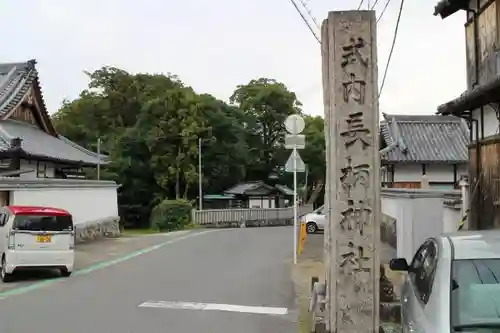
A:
(93, 204)
(419, 214)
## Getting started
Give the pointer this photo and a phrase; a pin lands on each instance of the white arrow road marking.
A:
(215, 307)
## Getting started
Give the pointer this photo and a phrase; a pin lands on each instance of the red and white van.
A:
(34, 237)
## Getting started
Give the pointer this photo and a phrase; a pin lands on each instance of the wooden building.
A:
(479, 105)
(30, 147)
(256, 194)
(417, 145)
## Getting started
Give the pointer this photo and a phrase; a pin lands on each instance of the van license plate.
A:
(43, 238)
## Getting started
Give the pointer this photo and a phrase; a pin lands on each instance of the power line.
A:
(305, 21)
(309, 12)
(360, 4)
(383, 10)
(374, 4)
(392, 48)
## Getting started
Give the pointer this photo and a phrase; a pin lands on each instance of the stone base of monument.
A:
(390, 312)
(390, 328)
(390, 307)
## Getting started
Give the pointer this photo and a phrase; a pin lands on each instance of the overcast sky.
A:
(215, 45)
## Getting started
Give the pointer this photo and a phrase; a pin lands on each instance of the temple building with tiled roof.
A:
(416, 145)
(30, 147)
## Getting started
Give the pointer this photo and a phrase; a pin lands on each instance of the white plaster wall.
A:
(418, 217)
(32, 165)
(86, 204)
(451, 219)
(396, 209)
(490, 122)
(259, 202)
(435, 173)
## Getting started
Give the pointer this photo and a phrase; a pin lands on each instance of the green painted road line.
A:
(95, 267)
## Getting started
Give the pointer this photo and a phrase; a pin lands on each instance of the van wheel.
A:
(311, 227)
(6, 277)
(65, 273)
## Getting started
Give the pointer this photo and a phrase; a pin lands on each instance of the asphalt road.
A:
(233, 267)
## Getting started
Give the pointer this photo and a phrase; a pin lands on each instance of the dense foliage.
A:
(171, 215)
(149, 124)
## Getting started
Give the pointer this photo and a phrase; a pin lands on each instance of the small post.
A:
(464, 187)
(98, 158)
(424, 183)
(200, 178)
(349, 50)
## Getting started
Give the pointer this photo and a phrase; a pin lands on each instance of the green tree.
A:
(225, 152)
(314, 152)
(266, 103)
(171, 125)
(109, 110)
(150, 125)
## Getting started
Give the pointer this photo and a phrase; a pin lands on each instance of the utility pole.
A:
(304, 199)
(200, 178)
(99, 158)
(352, 201)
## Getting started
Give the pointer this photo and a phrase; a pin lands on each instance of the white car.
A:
(35, 238)
(315, 220)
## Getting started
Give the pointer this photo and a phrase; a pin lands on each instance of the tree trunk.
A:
(178, 175)
(177, 184)
(186, 189)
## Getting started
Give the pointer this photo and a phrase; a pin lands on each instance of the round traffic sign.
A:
(294, 124)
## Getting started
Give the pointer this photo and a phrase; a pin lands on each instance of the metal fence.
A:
(248, 216)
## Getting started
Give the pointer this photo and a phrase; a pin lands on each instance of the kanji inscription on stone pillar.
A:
(351, 110)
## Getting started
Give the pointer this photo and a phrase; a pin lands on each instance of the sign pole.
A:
(295, 124)
(295, 206)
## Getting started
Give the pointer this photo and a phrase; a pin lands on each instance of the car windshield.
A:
(319, 211)
(475, 295)
(43, 223)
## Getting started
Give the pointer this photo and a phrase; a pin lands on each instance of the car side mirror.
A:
(399, 264)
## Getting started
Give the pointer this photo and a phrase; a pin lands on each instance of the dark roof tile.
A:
(242, 188)
(428, 138)
(16, 79)
(38, 143)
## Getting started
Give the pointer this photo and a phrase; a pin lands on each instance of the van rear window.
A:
(43, 223)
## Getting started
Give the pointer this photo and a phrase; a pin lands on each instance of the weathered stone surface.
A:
(386, 287)
(349, 48)
(390, 312)
(390, 328)
(109, 227)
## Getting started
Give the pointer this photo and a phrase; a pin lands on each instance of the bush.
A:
(171, 215)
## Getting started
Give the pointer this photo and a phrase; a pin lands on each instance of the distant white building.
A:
(431, 145)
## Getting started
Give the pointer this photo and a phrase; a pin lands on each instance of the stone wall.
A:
(92, 230)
